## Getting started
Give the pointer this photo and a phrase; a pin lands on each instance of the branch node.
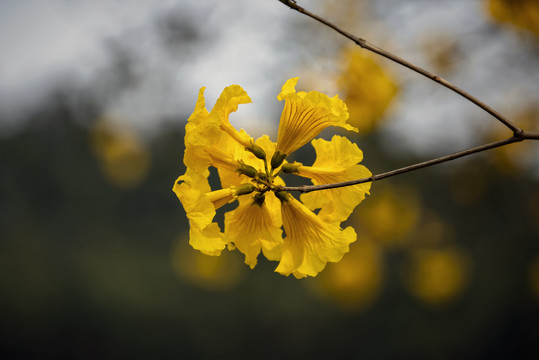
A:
(519, 133)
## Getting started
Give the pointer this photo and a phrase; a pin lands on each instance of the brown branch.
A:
(368, 46)
(518, 133)
(515, 138)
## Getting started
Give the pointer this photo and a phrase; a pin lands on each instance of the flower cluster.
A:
(249, 171)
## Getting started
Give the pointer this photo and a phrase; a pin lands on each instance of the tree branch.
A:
(518, 133)
(368, 46)
(515, 138)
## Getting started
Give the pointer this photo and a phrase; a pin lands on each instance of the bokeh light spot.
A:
(123, 158)
(355, 281)
(437, 276)
(216, 273)
(391, 215)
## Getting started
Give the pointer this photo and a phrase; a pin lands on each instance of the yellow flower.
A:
(256, 225)
(200, 204)
(204, 235)
(310, 242)
(336, 161)
(190, 189)
(205, 129)
(242, 163)
(305, 115)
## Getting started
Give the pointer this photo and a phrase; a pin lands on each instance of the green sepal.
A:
(244, 189)
(277, 159)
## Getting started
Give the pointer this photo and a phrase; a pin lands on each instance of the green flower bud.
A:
(256, 150)
(259, 199)
(291, 168)
(277, 159)
(247, 170)
(244, 189)
(283, 196)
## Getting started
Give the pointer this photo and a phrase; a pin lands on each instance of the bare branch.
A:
(516, 138)
(368, 46)
(518, 133)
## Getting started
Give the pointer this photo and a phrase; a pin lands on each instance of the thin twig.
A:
(368, 46)
(515, 138)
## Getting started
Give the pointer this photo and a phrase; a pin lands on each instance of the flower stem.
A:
(515, 138)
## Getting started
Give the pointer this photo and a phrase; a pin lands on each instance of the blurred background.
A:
(95, 261)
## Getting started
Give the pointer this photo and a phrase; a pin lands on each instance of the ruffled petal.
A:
(205, 130)
(209, 241)
(190, 189)
(305, 115)
(336, 161)
(202, 128)
(205, 235)
(310, 242)
(253, 227)
(228, 102)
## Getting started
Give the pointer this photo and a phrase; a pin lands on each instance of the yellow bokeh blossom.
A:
(368, 89)
(523, 14)
(512, 159)
(534, 276)
(392, 215)
(215, 273)
(356, 281)
(123, 158)
(249, 174)
(437, 276)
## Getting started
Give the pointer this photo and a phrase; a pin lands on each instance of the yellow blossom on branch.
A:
(336, 161)
(305, 115)
(310, 242)
(249, 174)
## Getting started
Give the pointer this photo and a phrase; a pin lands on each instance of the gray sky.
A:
(61, 43)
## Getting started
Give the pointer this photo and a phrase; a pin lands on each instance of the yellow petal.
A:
(205, 129)
(220, 160)
(196, 158)
(200, 113)
(209, 240)
(252, 227)
(202, 128)
(233, 151)
(198, 207)
(310, 242)
(305, 115)
(339, 153)
(221, 197)
(228, 102)
(336, 161)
